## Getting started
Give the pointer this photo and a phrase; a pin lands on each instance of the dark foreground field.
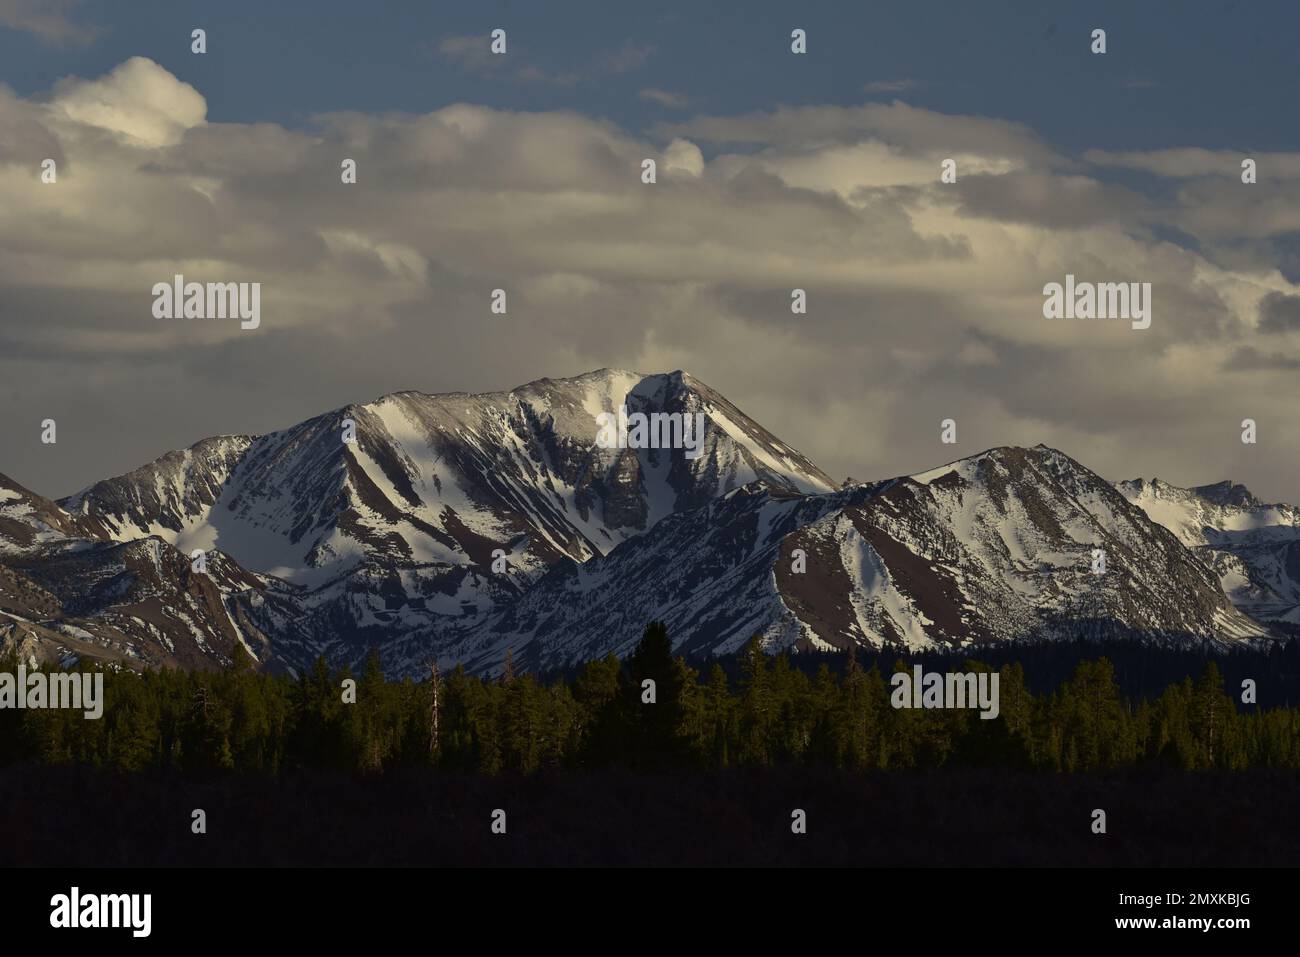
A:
(67, 816)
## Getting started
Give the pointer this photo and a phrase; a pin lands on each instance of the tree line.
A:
(651, 711)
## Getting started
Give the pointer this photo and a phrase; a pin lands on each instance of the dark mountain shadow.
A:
(1145, 664)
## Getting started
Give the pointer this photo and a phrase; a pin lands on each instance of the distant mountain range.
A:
(458, 526)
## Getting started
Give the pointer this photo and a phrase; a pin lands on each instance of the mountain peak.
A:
(1227, 492)
(1003, 455)
(396, 538)
(9, 485)
(604, 374)
(402, 526)
(606, 379)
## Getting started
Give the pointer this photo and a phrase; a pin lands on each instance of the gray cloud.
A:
(50, 20)
(1279, 313)
(1038, 197)
(474, 53)
(627, 58)
(898, 123)
(471, 52)
(1250, 359)
(664, 98)
(1192, 162)
(925, 299)
(891, 86)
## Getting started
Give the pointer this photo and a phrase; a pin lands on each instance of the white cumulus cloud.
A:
(139, 100)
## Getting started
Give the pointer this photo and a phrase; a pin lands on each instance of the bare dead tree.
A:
(435, 686)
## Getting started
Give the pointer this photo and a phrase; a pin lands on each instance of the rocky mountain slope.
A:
(30, 522)
(994, 547)
(1253, 547)
(397, 530)
(461, 526)
(67, 590)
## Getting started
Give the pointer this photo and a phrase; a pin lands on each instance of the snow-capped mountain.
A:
(1254, 547)
(398, 529)
(707, 572)
(67, 590)
(458, 526)
(30, 522)
(993, 547)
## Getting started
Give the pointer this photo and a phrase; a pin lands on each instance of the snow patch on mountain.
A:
(1253, 547)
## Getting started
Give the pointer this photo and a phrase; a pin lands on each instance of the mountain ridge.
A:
(1253, 546)
(457, 525)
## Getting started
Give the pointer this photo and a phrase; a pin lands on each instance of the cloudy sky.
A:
(818, 171)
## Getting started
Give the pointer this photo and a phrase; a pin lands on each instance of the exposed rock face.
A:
(995, 547)
(1253, 547)
(397, 532)
(456, 526)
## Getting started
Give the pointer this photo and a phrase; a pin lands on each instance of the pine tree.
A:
(854, 715)
(718, 717)
(522, 723)
(756, 712)
(654, 727)
(823, 748)
(254, 722)
(1211, 721)
(241, 662)
(901, 733)
(208, 744)
(369, 714)
(1098, 726)
(695, 726)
